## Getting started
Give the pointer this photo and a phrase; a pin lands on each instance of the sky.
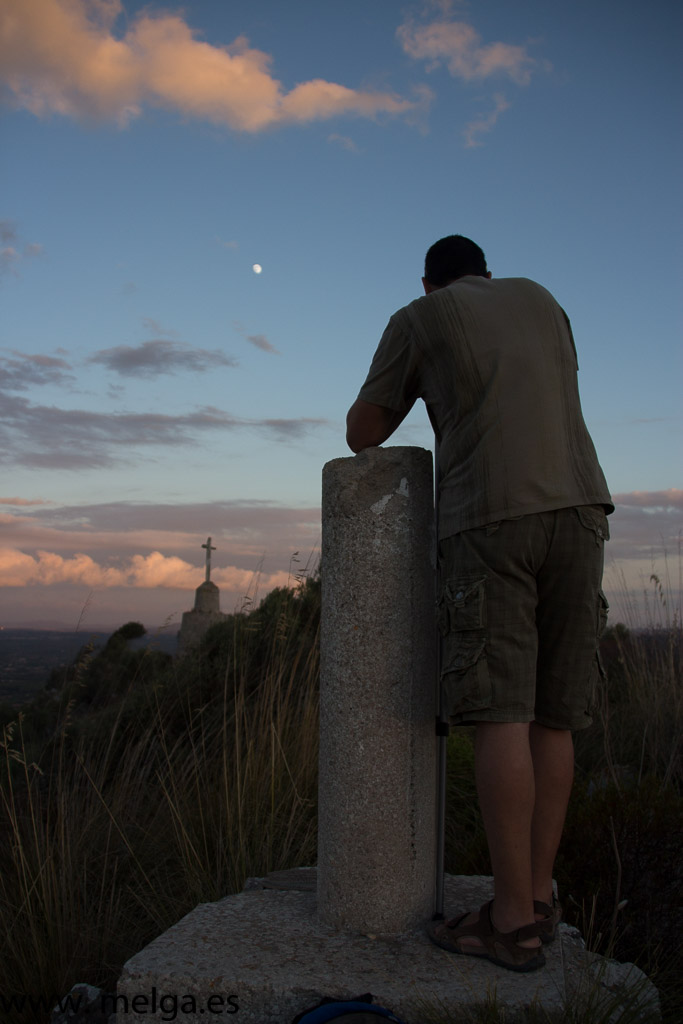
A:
(155, 389)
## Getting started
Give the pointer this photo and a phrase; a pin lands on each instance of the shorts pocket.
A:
(603, 610)
(465, 674)
(462, 622)
(462, 605)
(593, 518)
(598, 677)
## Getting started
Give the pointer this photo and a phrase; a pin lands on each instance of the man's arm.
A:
(369, 425)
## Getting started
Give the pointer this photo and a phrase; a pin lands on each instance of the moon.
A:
(257, 268)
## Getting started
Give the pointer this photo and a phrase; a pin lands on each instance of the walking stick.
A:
(441, 727)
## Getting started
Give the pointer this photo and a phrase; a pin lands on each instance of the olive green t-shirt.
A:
(495, 363)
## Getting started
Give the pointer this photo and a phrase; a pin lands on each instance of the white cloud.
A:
(62, 57)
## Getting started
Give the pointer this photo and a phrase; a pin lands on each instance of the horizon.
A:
(210, 213)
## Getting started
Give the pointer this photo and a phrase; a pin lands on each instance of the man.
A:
(522, 504)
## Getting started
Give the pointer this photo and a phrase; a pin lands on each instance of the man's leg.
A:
(552, 753)
(506, 788)
(524, 778)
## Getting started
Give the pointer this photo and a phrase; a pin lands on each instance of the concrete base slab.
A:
(261, 957)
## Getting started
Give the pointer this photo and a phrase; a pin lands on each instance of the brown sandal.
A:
(501, 948)
(552, 915)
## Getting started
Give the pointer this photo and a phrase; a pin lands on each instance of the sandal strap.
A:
(527, 931)
(480, 929)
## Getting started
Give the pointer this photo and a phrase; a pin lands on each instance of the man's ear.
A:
(489, 275)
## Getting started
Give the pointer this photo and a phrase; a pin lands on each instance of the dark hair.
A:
(453, 257)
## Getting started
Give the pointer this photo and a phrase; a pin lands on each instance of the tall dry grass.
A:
(121, 825)
(153, 788)
(639, 702)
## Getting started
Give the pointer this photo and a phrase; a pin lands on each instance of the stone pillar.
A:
(378, 693)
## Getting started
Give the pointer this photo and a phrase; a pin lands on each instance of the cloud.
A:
(54, 557)
(39, 436)
(459, 46)
(645, 523)
(670, 499)
(62, 57)
(177, 521)
(344, 141)
(113, 533)
(13, 250)
(154, 570)
(20, 372)
(260, 341)
(652, 419)
(9, 257)
(152, 358)
(289, 429)
(156, 328)
(484, 124)
(8, 231)
(20, 502)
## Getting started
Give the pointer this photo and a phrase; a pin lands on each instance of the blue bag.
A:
(349, 1011)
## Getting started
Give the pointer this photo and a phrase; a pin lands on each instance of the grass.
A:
(145, 786)
(595, 1002)
(128, 810)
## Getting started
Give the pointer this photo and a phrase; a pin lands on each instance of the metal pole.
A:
(441, 728)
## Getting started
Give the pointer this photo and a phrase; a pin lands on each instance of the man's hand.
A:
(369, 425)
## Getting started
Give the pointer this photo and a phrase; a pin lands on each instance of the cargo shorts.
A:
(521, 613)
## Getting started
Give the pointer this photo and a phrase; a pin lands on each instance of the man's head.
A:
(450, 258)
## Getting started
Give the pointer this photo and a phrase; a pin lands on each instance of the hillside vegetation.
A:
(136, 786)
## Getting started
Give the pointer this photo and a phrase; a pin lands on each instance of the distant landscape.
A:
(28, 656)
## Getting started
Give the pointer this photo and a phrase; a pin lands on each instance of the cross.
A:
(209, 549)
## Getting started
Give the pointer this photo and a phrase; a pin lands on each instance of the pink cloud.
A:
(155, 570)
(126, 560)
(60, 56)
(19, 502)
(459, 46)
(484, 124)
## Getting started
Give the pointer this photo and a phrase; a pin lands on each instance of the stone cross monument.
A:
(209, 549)
(207, 610)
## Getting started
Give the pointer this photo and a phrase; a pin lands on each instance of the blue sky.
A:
(155, 390)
